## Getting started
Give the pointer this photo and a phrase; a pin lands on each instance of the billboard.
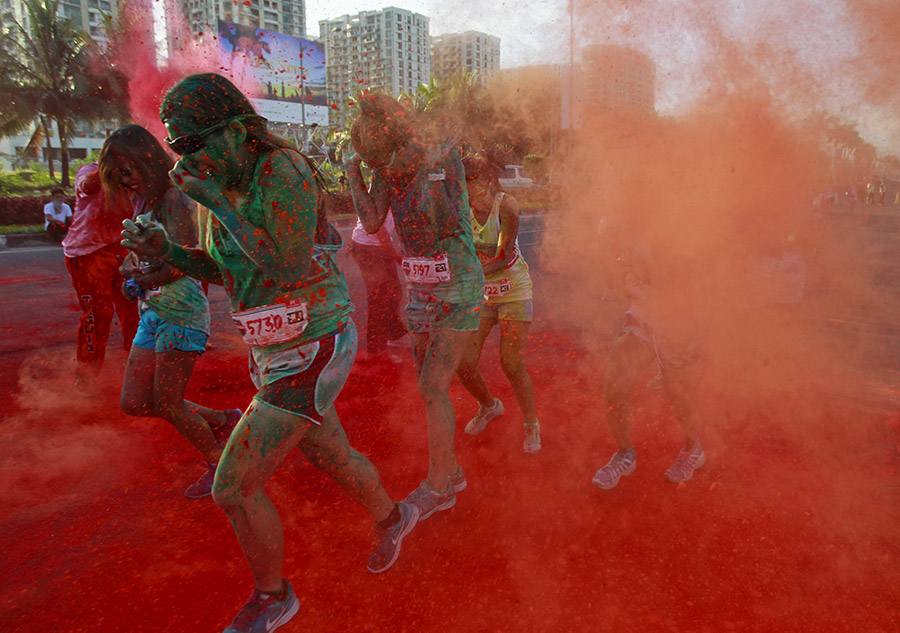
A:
(283, 76)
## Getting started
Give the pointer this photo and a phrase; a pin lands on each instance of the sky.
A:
(826, 40)
(530, 32)
(841, 50)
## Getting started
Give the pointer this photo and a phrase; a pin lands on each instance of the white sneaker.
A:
(685, 465)
(532, 442)
(484, 416)
(619, 465)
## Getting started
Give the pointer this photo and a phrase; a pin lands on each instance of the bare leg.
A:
(327, 448)
(679, 386)
(513, 335)
(630, 356)
(437, 355)
(261, 441)
(468, 373)
(214, 417)
(137, 385)
(173, 371)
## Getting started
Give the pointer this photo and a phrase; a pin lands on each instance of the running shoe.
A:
(685, 465)
(263, 613)
(222, 433)
(620, 465)
(203, 486)
(532, 442)
(389, 540)
(458, 481)
(428, 500)
(484, 416)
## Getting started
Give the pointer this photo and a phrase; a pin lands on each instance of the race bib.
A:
(272, 324)
(426, 270)
(496, 288)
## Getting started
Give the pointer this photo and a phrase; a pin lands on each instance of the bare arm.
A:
(153, 242)
(371, 206)
(509, 231)
(290, 196)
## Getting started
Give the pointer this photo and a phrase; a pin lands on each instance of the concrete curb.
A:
(19, 240)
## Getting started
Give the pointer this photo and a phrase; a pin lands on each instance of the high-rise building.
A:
(281, 16)
(88, 15)
(617, 78)
(471, 52)
(85, 137)
(387, 50)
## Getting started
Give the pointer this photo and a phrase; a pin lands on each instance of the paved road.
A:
(38, 308)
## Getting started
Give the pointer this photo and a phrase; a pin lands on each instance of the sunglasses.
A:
(190, 143)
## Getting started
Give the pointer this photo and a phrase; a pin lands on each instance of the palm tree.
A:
(45, 79)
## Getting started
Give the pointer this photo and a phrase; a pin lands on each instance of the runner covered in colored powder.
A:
(174, 311)
(508, 300)
(652, 337)
(424, 186)
(264, 235)
(93, 254)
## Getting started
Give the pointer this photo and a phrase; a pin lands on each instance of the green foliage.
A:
(16, 229)
(78, 163)
(49, 74)
(29, 181)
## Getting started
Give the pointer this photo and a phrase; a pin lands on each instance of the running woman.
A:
(93, 254)
(174, 310)
(507, 301)
(266, 238)
(424, 185)
(651, 339)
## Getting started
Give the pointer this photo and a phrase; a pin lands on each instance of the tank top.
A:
(323, 287)
(513, 283)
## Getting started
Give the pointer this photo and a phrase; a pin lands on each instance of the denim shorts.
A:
(427, 312)
(160, 335)
(511, 311)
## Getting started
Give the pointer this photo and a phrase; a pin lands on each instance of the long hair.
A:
(133, 146)
(389, 118)
(478, 167)
(204, 99)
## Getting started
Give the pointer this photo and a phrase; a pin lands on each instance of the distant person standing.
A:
(870, 192)
(378, 260)
(652, 337)
(93, 252)
(881, 192)
(57, 216)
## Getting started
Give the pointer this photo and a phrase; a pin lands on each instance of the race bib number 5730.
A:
(426, 270)
(272, 324)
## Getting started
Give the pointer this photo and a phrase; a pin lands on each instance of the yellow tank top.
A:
(513, 283)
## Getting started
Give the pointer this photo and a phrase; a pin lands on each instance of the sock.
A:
(391, 519)
(279, 595)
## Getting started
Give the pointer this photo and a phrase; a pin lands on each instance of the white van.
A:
(513, 177)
